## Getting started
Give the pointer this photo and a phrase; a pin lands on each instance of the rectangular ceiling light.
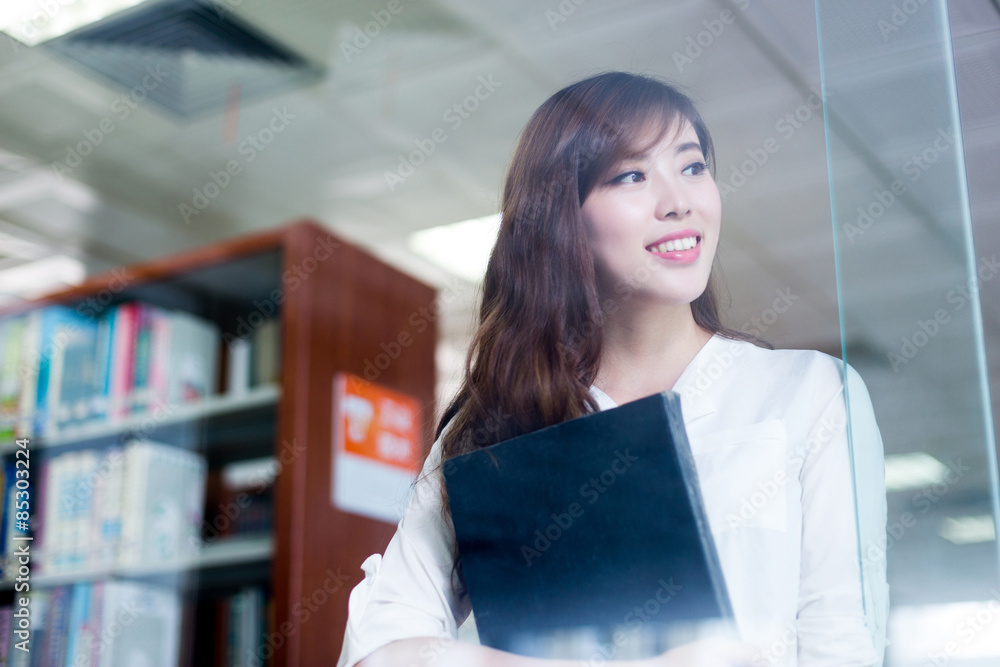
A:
(35, 21)
(461, 248)
(913, 471)
(33, 279)
(969, 529)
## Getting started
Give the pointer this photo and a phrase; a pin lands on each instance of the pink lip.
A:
(682, 256)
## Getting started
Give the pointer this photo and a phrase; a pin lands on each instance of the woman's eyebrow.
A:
(691, 145)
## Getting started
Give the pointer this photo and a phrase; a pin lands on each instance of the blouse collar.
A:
(695, 403)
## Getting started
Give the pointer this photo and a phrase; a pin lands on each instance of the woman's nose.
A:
(671, 203)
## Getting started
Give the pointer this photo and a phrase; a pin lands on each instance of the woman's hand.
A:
(438, 652)
(714, 652)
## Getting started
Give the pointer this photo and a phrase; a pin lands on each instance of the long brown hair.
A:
(538, 345)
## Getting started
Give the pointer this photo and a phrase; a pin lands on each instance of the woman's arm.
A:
(833, 628)
(406, 611)
(439, 652)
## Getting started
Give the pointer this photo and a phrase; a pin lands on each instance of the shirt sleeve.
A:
(837, 625)
(409, 592)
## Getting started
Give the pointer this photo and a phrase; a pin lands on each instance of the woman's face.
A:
(654, 221)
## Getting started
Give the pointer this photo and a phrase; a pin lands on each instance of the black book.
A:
(596, 524)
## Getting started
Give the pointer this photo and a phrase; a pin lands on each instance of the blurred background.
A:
(133, 130)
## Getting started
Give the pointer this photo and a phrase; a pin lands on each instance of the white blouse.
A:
(768, 431)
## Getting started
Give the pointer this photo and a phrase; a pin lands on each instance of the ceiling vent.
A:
(189, 56)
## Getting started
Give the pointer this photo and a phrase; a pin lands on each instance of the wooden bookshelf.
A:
(338, 303)
(212, 408)
(223, 553)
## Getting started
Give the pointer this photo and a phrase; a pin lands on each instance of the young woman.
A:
(598, 292)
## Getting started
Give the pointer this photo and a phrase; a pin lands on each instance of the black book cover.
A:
(596, 522)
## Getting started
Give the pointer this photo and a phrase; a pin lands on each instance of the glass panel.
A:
(908, 287)
(151, 482)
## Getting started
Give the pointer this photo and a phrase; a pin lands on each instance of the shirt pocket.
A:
(743, 476)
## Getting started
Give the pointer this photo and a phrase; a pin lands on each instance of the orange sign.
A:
(379, 424)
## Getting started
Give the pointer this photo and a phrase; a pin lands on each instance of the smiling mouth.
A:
(675, 245)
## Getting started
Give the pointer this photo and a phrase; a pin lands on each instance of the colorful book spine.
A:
(56, 628)
(74, 372)
(38, 516)
(12, 334)
(123, 330)
(79, 507)
(162, 503)
(31, 354)
(51, 319)
(6, 524)
(99, 402)
(77, 641)
(106, 521)
(56, 514)
(194, 353)
(141, 389)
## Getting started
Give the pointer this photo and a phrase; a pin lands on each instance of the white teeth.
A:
(675, 245)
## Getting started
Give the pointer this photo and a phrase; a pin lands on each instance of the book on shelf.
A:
(62, 368)
(239, 499)
(234, 628)
(56, 627)
(163, 494)
(76, 372)
(237, 366)
(265, 352)
(99, 624)
(106, 528)
(12, 501)
(254, 359)
(12, 351)
(140, 504)
(48, 323)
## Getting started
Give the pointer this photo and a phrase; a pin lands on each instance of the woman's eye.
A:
(695, 168)
(629, 177)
